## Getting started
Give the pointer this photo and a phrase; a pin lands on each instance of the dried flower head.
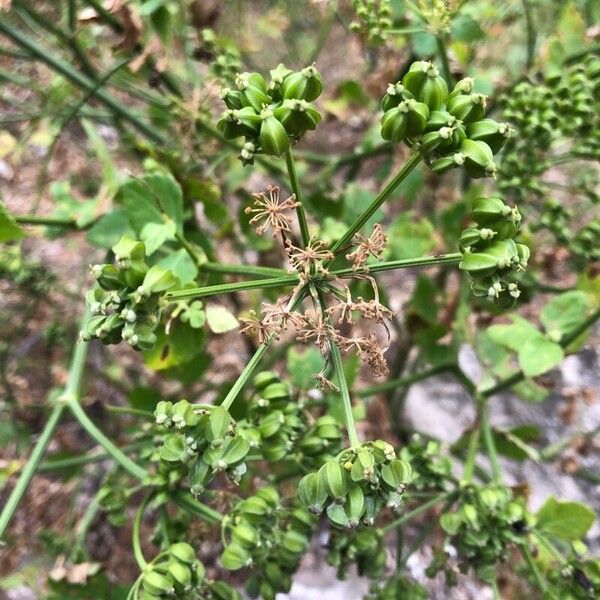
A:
(269, 211)
(374, 246)
(263, 330)
(310, 259)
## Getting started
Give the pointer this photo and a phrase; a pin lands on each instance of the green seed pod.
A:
(183, 415)
(222, 591)
(128, 249)
(494, 134)
(302, 85)
(446, 163)
(443, 139)
(396, 93)
(467, 108)
(235, 557)
(338, 516)
(275, 449)
(487, 212)
(173, 449)
(479, 264)
(253, 88)
(273, 136)
(397, 474)
(266, 590)
(312, 493)
(183, 553)
(269, 495)
(297, 116)
(312, 445)
(245, 535)
(199, 572)
(473, 237)
(276, 391)
(270, 424)
(235, 450)
(262, 380)
(157, 584)
(479, 160)
(328, 428)
(199, 475)
(158, 280)
(273, 573)
(109, 277)
(354, 505)
(407, 120)
(230, 126)
(254, 509)
(294, 542)
(425, 83)
(232, 98)
(464, 86)
(218, 423)
(163, 413)
(277, 76)
(181, 575)
(335, 480)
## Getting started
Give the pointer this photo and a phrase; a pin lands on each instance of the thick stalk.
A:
(469, 465)
(135, 533)
(392, 265)
(223, 288)
(338, 367)
(72, 390)
(116, 453)
(295, 184)
(80, 81)
(387, 191)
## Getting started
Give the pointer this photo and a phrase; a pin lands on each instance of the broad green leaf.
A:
(109, 229)
(303, 365)
(409, 237)
(148, 198)
(513, 443)
(571, 29)
(179, 347)
(154, 235)
(565, 520)
(9, 229)
(466, 29)
(181, 264)
(515, 335)
(538, 355)
(564, 313)
(220, 319)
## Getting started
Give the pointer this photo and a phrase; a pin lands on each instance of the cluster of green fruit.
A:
(432, 469)
(270, 538)
(126, 303)
(395, 588)
(364, 547)
(561, 109)
(449, 129)
(357, 484)
(487, 521)
(270, 116)
(277, 425)
(373, 19)
(491, 255)
(179, 574)
(204, 438)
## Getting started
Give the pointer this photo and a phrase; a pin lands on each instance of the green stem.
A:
(227, 269)
(391, 265)
(71, 390)
(135, 534)
(116, 453)
(30, 468)
(558, 557)
(526, 553)
(295, 183)
(244, 376)
(488, 439)
(443, 54)
(531, 35)
(67, 70)
(404, 172)
(469, 465)
(338, 367)
(82, 528)
(224, 288)
(402, 381)
(185, 501)
(417, 511)
(49, 221)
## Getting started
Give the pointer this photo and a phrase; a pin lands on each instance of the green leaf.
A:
(515, 335)
(150, 198)
(356, 201)
(565, 520)
(220, 319)
(466, 29)
(109, 229)
(181, 264)
(538, 355)
(409, 237)
(564, 313)
(179, 347)
(154, 235)
(513, 443)
(303, 365)
(9, 229)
